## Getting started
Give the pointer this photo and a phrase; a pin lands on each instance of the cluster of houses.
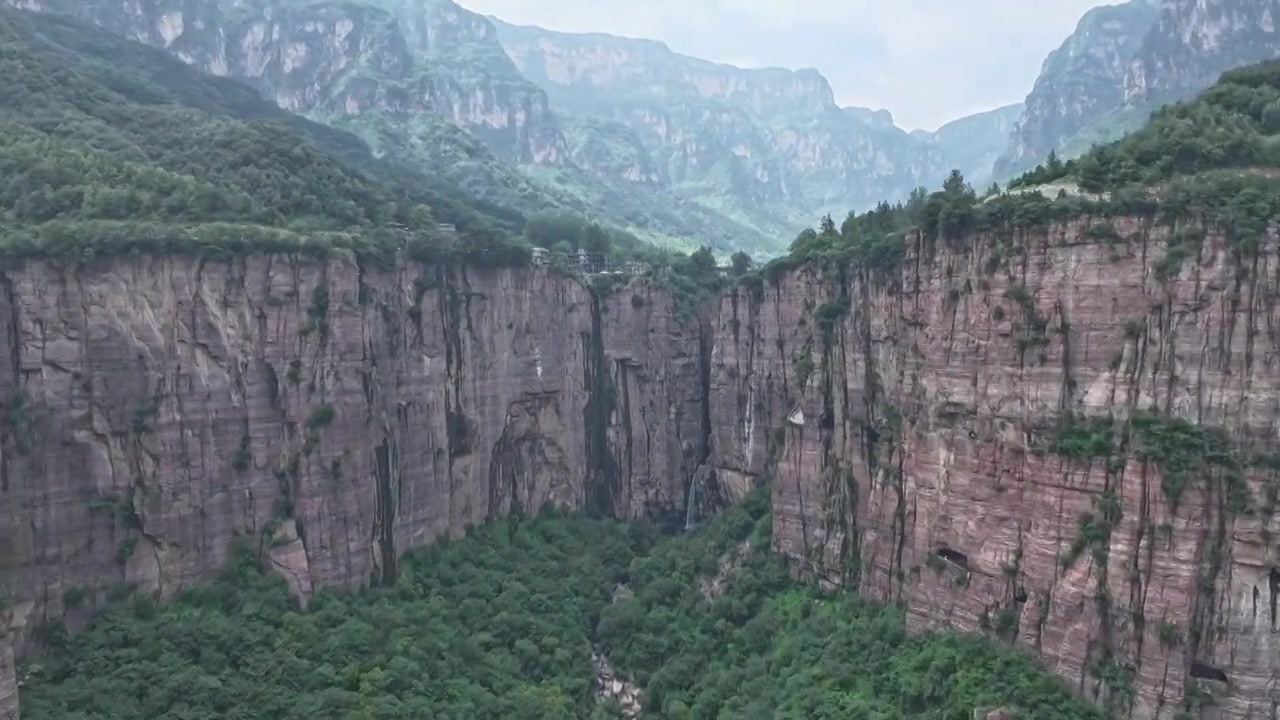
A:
(589, 263)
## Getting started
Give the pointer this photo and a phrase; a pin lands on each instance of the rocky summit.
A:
(282, 411)
(1127, 59)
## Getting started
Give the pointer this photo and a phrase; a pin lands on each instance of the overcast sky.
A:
(927, 61)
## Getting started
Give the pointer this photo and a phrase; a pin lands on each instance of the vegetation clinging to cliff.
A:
(503, 624)
(1184, 452)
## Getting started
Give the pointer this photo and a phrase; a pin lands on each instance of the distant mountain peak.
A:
(876, 118)
(554, 58)
(1124, 60)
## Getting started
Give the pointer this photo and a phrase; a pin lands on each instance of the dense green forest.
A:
(503, 623)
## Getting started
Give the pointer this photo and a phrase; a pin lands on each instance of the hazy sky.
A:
(927, 61)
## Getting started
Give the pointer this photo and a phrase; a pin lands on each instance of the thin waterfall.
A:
(691, 502)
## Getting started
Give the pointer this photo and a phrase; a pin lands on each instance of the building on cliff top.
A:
(590, 263)
(540, 257)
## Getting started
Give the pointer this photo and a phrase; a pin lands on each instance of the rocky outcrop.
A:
(1195, 41)
(909, 425)
(1079, 83)
(158, 411)
(1123, 61)
(615, 689)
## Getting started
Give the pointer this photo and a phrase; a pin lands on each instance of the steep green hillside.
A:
(1233, 125)
(504, 624)
(106, 141)
(110, 146)
(426, 85)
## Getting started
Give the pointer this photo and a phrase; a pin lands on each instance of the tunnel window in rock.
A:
(1201, 671)
(958, 559)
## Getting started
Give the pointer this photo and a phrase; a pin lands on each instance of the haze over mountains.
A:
(672, 148)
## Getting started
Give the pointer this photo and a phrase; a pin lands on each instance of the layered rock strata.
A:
(919, 431)
(1061, 437)
(159, 411)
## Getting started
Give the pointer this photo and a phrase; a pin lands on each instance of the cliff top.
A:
(1214, 157)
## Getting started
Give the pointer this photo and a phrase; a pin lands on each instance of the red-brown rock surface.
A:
(155, 410)
(915, 465)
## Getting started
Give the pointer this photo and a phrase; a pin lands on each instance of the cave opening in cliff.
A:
(1201, 671)
(958, 559)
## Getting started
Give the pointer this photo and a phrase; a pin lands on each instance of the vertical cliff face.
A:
(477, 86)
(8, 680)
(336, 415)
(1195, 41)
(935, 440)
(971, 436)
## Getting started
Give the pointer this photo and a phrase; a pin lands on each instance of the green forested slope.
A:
(107, 145)
(503, 623)
(1235, 124)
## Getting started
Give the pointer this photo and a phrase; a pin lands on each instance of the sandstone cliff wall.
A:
(155, 410)
(918, 464)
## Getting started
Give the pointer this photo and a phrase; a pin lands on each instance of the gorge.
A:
(341, 415)
(1045, 419)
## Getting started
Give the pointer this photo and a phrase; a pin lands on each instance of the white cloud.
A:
(928, 61)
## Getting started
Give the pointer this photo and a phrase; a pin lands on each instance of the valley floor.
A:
(517, 620)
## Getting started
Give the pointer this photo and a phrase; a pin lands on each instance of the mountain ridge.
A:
(775, 138)
(1123, 61)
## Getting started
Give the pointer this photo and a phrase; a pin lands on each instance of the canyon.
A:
(160, 411)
